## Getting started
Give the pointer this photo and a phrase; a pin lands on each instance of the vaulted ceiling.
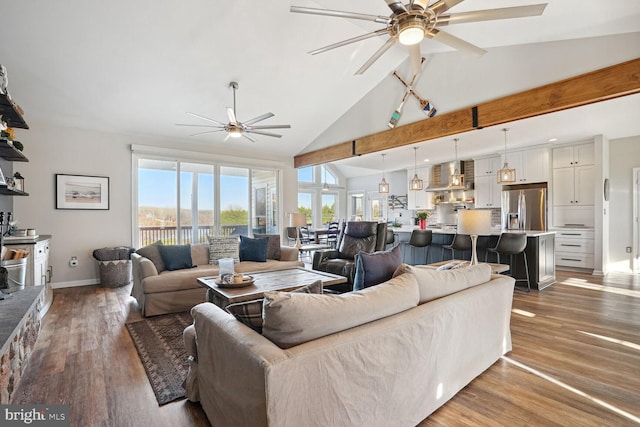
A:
(136, 68)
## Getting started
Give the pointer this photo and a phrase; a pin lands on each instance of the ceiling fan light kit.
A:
(409, 24)
(506, 175)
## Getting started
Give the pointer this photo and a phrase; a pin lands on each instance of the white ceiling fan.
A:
(234, 128)
(411, 23)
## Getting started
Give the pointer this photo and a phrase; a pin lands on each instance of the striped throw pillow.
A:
(223, 247)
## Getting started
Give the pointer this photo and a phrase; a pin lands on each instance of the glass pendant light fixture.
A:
(456, 179)
(383, 187)
(506, 175)
(416, 183)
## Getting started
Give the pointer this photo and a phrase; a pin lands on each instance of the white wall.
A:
(624, 155)
(77, 233)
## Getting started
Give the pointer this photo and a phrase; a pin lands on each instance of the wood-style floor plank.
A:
(576, 361)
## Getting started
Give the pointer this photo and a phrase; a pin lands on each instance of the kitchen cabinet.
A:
(487, 190)
(574, 248)
(574, 155)
(573, 186)
(419, 200)
(486, 166)
(531, 165)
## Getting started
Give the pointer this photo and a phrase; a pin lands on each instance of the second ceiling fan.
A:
(410, 23)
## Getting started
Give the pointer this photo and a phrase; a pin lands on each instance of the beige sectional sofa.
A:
(178, 290)
(434, 332)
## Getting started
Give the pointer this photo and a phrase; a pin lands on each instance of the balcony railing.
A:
(169, 235)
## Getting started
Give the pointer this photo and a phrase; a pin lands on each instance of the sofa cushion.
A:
(152, 253)
(375, 268)
(436, 284)
(273, 247)
(292, 319)
(176, 257)
(250, 312)
(253, 249)
(223, 247)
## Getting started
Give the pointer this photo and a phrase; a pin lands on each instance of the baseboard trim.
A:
(75, 283)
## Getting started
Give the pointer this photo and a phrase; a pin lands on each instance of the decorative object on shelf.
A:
(383, 187)
(82, 192)
(297, 220)
(422, 219)
(506, 175)
(474, 222)
(18, 182)
(4, 79)
(456, 179)
(416, 183)
(7, 133)
(11, 185)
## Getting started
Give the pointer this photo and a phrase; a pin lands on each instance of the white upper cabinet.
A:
(575, 155)
(487, 190)
(486, 166)
(418, 200)
(531, 165)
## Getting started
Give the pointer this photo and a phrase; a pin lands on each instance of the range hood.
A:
(440, 176)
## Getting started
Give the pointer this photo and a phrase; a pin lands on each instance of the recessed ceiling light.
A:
(552, 139)
(426, 160)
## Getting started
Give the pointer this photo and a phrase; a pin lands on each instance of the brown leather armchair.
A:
(367, 236)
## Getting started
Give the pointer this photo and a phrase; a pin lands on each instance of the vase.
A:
(423, 224)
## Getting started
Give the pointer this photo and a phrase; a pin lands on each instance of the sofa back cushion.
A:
(273, 247)
(200, 253)
(291, 319)
(358, 236)
(436, 284)
(152, 253)
(223, 247)
(375, 268)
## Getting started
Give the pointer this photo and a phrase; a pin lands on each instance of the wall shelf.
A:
(9, 152)
(4, 190)
(10, 114)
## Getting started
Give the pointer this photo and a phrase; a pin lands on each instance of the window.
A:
(327, 177)
(183, 202)
(328, 208)
(305, 174)
(305, 205)
(319, 204)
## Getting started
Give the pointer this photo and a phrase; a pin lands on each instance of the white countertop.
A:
(494, 231)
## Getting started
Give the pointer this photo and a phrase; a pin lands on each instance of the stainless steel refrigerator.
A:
(524, 207)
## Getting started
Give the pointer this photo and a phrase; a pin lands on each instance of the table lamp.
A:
(474, 222)
(297, 220)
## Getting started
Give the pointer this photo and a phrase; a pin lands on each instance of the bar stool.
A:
(461, 242)
(421, 239)
(512, 244)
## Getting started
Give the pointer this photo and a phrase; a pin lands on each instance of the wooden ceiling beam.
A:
(596, 86)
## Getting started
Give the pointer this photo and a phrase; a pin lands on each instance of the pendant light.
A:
(383, 187)
(506, 175)
(325, 186)
(456, 179)
(416, 183)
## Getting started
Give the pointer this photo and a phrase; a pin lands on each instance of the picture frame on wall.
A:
(84, 192)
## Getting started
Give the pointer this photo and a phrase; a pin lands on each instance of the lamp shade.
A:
(297, 220)
(474, 221)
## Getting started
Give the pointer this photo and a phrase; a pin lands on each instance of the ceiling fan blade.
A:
(205, 118)
(396, 6)
(385, 47)
(416, 59)
(349, 41)
(492, 14)
(270, 127)
(248, 137)
(232, 115)
(419, 4)
(258, 132)
(441, 6)
(198, 126)
(455, 42)
(340, 14)
(258, 119)
(207, 132)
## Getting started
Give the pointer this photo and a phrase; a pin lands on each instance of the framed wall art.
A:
(82, 192)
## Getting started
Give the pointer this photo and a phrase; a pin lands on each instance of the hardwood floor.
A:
(575, 361)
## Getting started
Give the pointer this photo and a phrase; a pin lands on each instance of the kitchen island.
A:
(540, 251)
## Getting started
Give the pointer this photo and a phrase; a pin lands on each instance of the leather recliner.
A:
(367, 236)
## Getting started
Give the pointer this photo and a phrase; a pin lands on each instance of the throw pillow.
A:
(250, 312)
(292, 319)
(273, 248)
(176, 257)
(375, 268)
(223, 247)
(253, 249)
(436, 284)
(152, 253)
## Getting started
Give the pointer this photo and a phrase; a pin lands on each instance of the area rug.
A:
(161, 349)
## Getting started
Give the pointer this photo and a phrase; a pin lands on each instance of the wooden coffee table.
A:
(279, 280)
(495, 268)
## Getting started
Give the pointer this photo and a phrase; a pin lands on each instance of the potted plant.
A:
(422, 219)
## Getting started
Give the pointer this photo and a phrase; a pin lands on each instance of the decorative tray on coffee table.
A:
(246, 281)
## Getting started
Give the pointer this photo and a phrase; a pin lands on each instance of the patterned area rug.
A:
(161, 349)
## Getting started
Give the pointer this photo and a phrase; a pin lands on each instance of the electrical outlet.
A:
(628, 249)
(73, 262)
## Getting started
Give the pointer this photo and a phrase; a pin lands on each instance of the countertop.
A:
(12, 312)
(493, 232)
(26, 240)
